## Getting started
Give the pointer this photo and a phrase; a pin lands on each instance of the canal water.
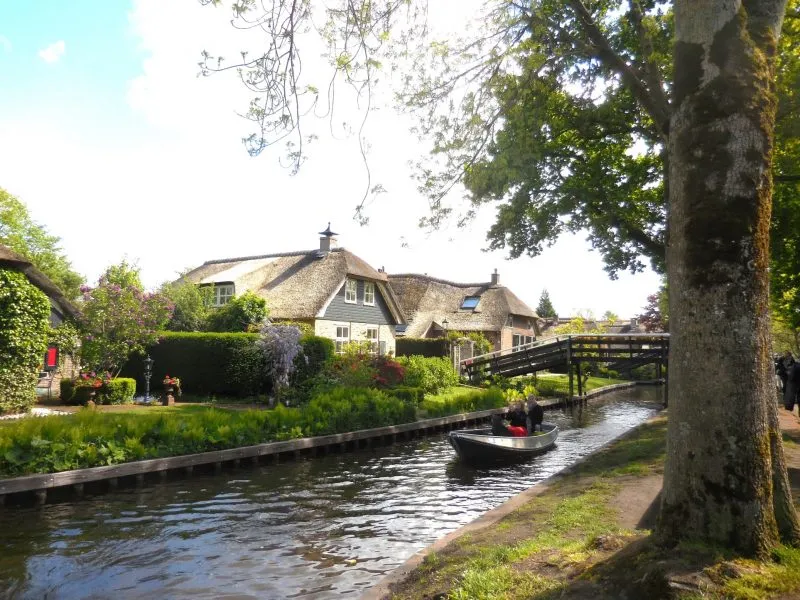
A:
(328, 527)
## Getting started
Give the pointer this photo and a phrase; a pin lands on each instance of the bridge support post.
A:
(580, 379)
(569, 367)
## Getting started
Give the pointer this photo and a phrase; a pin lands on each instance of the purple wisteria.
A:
(281, 346)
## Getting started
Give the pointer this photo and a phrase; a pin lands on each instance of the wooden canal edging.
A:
(38, 485)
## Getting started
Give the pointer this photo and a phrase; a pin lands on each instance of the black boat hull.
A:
(479, 446)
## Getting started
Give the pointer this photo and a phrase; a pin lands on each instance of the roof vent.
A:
(495, 278)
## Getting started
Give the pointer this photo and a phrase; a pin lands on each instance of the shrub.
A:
(24, 325)
(351, 409)
(413, 395)
(73, 393)
(462, 403)
(431, 374)
(120, 390)
(243, 313)
(421, 347)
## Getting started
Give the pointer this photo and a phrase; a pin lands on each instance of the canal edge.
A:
(39, 484)
(382, 590)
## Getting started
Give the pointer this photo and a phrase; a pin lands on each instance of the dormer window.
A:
(351, 291)
(223, 294)
(470, 302)
(369, 293)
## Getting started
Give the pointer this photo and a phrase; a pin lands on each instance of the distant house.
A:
(60, 307)
(434, 306)
(625, 326)
(333, 290)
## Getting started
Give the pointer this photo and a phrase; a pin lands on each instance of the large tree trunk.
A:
(719, 484)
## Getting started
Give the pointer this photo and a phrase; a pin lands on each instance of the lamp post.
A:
(148, 372)
(445, 323)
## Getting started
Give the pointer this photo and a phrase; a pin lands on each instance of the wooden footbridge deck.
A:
(621, 352)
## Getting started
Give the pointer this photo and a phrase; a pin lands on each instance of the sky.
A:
(117, 146)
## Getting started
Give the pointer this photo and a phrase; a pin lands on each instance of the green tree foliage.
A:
(546, 309)
(19, 232)
(785, 229)
(120, 318)
(24, 324)
(246, 312)
(192, 305)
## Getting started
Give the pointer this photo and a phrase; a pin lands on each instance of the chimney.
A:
(327, 240)
(495, 278)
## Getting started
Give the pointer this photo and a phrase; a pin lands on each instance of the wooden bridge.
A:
(621, 352)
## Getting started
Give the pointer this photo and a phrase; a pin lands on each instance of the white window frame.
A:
(369, 293)
(351, 288)
(374, 343)
(221, 299)
(342, 337)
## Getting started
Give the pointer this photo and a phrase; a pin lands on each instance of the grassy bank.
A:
(91, 438)
(577, 540)
(557, 384)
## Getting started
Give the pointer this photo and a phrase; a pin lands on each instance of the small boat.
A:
(479, 445)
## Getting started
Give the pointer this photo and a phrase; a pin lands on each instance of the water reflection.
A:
(322, 528)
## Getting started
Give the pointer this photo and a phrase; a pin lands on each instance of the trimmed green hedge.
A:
(24, 326)
(120, 390)
(225, 364)
(421, 347)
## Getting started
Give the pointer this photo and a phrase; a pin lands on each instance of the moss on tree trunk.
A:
(719, 483)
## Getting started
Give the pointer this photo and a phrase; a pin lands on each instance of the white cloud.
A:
(5, 43)
(53, 52)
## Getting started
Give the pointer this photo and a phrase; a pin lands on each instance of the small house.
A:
(331, 289)
(435, 306)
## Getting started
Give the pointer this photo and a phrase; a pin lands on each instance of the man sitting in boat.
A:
(535, 414)
(518, 421)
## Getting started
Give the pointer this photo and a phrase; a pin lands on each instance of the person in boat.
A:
(518, 421)
(535, 414)
(497, 426)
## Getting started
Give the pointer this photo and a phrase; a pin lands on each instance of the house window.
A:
(470, 302)
(521, 340)
(351, 291)
(342, 337)
(369, 293)
(223, 294)
(372, 338)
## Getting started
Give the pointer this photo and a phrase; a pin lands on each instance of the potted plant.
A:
(171, 384)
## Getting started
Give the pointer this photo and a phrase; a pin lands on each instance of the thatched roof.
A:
(296, 285)
(429, 301)
(12, 260)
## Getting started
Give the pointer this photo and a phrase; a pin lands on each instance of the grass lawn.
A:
(586, 536)
(557, 384)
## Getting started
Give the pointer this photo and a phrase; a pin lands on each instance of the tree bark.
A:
(723, 439)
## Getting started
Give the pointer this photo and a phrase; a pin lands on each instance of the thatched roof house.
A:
(434, 306)
(60, 307)
(342, 296)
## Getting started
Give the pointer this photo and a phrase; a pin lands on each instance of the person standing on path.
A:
(792, 386)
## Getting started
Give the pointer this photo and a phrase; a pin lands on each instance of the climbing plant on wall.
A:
(24, 324)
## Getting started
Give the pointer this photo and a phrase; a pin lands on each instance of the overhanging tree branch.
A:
(614, 61)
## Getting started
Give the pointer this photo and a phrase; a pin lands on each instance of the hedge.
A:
(24, 325)
(120, 390)
(422, 347)
(225, 364)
